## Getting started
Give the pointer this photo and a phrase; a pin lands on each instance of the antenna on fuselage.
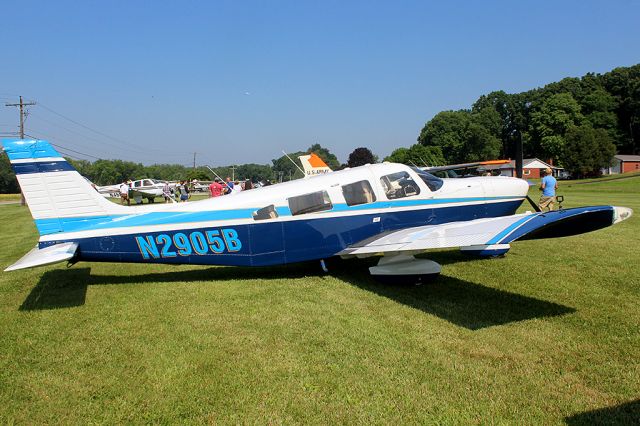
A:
(294, 163)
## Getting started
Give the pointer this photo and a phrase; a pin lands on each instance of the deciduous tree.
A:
(587, 150)
(360, 157)
(418, 155)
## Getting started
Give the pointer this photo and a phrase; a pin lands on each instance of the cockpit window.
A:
(434, 183)
(399, 185)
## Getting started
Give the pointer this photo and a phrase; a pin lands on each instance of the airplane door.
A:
(408, 200)
(477, 191)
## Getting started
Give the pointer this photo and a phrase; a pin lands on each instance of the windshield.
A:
(434, 183)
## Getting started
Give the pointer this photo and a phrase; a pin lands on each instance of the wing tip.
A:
(621, 213)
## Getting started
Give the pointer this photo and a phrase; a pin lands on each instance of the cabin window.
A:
(358, 193)
(399, 185)
(148, 182)
(268, 212)
(137, 183)
(309, 203)
(434, 183)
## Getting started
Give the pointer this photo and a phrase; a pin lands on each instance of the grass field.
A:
(9, 197)
(548, 334)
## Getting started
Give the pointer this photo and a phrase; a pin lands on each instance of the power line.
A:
(77, 152)
(120, 141)
(82, 125)
(130, 146)
(41, 135)
(67, 129)
(65, 148)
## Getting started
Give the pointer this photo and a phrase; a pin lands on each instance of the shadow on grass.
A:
(466, 304)
(64, 288)
(623, 414)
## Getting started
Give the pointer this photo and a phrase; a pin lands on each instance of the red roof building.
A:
(531, 168)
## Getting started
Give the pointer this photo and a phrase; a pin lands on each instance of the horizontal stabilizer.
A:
(46, 256)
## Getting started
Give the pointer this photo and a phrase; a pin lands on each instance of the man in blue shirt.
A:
(548, 186)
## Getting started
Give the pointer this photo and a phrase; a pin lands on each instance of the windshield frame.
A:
(434, 183)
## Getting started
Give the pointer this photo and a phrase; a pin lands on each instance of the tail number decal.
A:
(186, 244)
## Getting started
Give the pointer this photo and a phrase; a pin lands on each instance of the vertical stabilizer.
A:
(313, 165)
(54, 191)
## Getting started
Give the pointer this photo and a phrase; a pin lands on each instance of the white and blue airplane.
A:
(389, 210)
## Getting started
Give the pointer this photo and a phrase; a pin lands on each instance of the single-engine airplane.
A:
(384, 209)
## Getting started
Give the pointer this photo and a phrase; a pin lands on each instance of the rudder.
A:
(54, 191)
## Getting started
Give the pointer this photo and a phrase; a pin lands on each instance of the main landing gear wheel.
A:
(405, 269)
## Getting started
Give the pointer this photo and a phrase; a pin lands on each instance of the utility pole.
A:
(194, 160)
(23, 115)
(233, 173)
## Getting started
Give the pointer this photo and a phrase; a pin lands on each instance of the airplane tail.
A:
(313, 165)
(57, 195)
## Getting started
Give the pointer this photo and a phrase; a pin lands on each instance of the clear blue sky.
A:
(238, 81)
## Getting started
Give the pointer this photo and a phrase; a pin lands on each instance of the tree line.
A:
(577, 123)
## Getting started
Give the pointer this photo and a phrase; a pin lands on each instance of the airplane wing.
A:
(464, 166)
(39, 257)
(494, 232)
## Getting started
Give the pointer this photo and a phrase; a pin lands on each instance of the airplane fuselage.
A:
(291, 222)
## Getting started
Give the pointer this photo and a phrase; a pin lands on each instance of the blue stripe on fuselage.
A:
(278, 242)
(167, 218)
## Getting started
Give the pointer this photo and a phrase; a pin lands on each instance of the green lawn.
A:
(548, 334)
(10, 197)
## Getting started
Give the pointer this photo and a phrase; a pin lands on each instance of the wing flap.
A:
(454, 234)
(46, 256)
(491, 231)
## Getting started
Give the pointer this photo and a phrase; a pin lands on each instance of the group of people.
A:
(217, 188)
(181, 191)
(228, 187)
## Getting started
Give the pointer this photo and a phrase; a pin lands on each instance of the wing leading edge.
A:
(491, 231)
